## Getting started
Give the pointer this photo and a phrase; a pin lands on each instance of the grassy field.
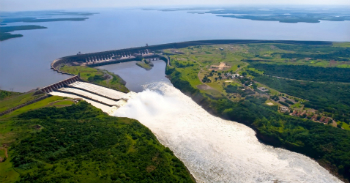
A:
(144, 65)
(344, 125)
(16, 100)
(97, 76)
(48, 102)
(7, 94)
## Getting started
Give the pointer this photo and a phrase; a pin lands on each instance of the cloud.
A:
(17, 5)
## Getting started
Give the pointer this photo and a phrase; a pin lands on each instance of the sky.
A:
(21, 5)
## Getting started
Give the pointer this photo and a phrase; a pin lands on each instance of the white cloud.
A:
(16, 5)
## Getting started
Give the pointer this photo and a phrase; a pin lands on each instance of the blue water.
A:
(25, 62)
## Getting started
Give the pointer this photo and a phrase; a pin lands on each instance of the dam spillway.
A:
(106, 99)
(90, 95)
(110, 93)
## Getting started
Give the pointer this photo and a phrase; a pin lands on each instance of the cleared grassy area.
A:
(97, 76)
(342, 44)
(345, 126)
(63, 103)
(50, 101)
(14, 101)
(8, 174)
(143, 65)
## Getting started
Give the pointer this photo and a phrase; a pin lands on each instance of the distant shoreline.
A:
(6, 29)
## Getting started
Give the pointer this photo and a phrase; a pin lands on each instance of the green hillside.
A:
(80, 143)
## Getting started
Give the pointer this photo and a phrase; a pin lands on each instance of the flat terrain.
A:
(16, 99)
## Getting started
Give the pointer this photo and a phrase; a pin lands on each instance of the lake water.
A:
(25, 62)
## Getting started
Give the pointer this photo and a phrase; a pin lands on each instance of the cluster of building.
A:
(313, 117)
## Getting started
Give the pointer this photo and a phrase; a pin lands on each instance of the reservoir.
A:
(25, 62)
(213, 149)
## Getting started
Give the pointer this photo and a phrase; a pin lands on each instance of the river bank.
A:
(248, 112)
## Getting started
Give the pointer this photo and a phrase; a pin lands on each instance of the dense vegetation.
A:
(338, 55)
(331, 98)
(82, 144)
(304, 72)
(328, 145)
(97, 76)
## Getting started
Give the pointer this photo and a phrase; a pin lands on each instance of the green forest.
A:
(80, 143)
(338, 55)
(333, 98)
(304, 72)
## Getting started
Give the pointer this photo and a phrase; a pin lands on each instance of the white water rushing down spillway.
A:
(213, 149)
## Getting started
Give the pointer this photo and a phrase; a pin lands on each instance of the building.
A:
(284, 109)
(263, 89)
(232, 76)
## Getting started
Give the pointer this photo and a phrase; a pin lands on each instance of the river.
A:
(213, 149)
(25, 62)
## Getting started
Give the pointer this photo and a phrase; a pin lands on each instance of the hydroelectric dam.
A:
(213, 149)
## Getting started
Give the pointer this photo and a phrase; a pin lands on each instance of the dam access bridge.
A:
(106, 99)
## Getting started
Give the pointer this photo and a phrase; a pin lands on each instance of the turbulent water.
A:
(213, 149)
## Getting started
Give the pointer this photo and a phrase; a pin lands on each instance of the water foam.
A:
(213, 149)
